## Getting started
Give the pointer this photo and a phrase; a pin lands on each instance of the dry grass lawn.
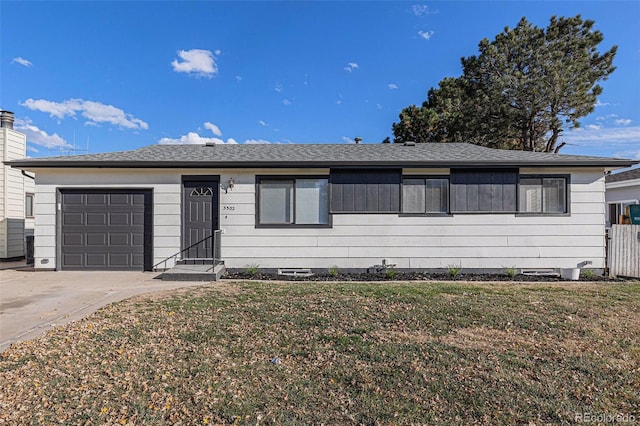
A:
(337, 353)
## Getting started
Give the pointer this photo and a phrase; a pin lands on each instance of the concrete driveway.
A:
(33, 302)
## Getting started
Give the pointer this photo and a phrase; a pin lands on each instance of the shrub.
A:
(390, 273)
(334, 271)
(510, 272)
(252, 270)
(454, 270)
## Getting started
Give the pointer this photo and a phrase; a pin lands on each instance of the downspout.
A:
(28, 175)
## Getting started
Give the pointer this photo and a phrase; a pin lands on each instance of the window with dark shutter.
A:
(483, 191)
(365, 191)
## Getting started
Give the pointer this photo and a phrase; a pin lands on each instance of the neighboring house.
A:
(17, 192)
(418, 206)
(622, 190)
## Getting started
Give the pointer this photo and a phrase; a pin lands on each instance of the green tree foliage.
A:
(519, 92)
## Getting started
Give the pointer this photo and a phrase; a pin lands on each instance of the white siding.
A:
(471, 240)
(12, 199)
(354, 240)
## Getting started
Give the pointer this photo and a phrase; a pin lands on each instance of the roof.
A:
(622, 176)
(321, 155)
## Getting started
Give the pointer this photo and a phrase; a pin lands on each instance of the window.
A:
(619, 212)
(293, 201)
(483, 191)
(425, 195)
(202, 191)
(543, 194)
(28, 205)
(365, 191)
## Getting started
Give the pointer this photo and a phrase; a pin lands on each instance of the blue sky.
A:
(107, 76)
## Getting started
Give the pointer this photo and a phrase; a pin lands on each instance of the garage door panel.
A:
(138, 219)
(137, 260)
(119, 259)
(116, 219)
(96, 239)
(96, 260)
(72, 199)
(106, 229)
(73, 259)
(138, 199)
(120, 199)
(137, 239)
(96, 199)
(96, 219)
(119, 239)
(72, 218)
(70, 239)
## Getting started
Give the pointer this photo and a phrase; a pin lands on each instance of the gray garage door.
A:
(106, 229)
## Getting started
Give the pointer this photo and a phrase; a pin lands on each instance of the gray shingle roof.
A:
(622, 176)
(320, 155)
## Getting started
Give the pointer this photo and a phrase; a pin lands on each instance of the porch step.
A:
(194, 272)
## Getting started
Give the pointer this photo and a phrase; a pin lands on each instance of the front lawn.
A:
(338, 353)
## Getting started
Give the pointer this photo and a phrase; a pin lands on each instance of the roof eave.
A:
(22, 164)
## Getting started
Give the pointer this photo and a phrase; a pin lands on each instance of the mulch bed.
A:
(408, 276)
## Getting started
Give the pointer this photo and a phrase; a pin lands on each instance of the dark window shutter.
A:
(476, 190)
(365, 191)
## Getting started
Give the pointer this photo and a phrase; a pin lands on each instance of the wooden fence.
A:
(625, 251)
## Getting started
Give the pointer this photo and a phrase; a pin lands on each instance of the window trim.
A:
(565, 176)
(260, 178)
(427, 214)
(28, 195)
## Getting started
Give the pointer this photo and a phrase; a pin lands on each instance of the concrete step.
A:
(194, 273)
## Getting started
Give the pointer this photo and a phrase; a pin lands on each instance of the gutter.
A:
(19, 164)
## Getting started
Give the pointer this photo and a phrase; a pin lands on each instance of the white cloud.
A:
(426, 34)
(351, 66)
(605, 117)
(593, 126)
(421, 9)
(217, 52)
(347, 140)
(215, 129)
(392, 86)
(278, 88)
(198, 62)
(238, 77)
(95, 112)
(286, 102)
(633, 154)
(32, 149)
(193, 138)
(379, 106)
(623, 121)
(263, 123)
(339, 102)
(256, 141)
(601, 104)
(622, 138)
(22, 61)
(40, 137)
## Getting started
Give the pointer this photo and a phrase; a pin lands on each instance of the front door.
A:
(199, 216)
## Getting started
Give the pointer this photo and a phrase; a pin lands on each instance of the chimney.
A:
(6, 119)
(357, 140)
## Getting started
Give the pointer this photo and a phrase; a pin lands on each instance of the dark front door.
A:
(200, 216)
